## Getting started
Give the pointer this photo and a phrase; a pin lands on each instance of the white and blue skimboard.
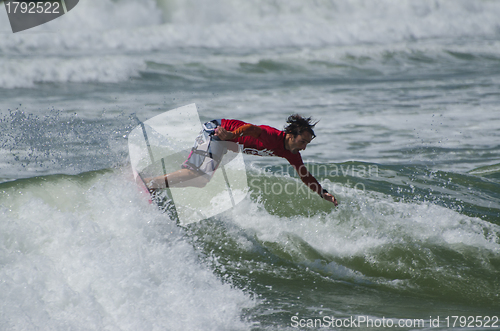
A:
(161, 144)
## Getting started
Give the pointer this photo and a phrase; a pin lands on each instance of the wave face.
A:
(89, 250)
(71, 261)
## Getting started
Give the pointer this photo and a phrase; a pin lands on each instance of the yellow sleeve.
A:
(248, 130)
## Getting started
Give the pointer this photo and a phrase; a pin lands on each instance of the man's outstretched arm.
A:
(313, 184)
(255, 131)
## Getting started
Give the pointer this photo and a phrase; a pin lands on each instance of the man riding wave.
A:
(209, 148)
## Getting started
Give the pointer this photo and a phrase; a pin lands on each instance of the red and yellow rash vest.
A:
(264, 140)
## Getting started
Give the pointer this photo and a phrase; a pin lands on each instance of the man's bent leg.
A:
(180, 178)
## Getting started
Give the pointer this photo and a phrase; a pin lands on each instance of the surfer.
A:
(219, 135)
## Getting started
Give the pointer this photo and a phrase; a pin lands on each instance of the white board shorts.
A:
(207, 151)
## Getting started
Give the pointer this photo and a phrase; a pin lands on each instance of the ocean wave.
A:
(414, 247)
(86, 251)
(112, 41)
(258, 23)
(336, 64)
(15, 73)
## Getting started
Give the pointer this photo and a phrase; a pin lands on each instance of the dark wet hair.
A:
(298, 124)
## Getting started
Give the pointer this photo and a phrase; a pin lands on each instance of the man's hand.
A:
(223, 134)
(150, 183)
(331, 198)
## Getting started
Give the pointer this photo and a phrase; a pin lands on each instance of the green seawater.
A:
(416, 244)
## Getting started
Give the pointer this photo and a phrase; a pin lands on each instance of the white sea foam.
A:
(366, 224)
(104, 69)
(291, 22)
(228, 23)
(91, 254)
(95, 29)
